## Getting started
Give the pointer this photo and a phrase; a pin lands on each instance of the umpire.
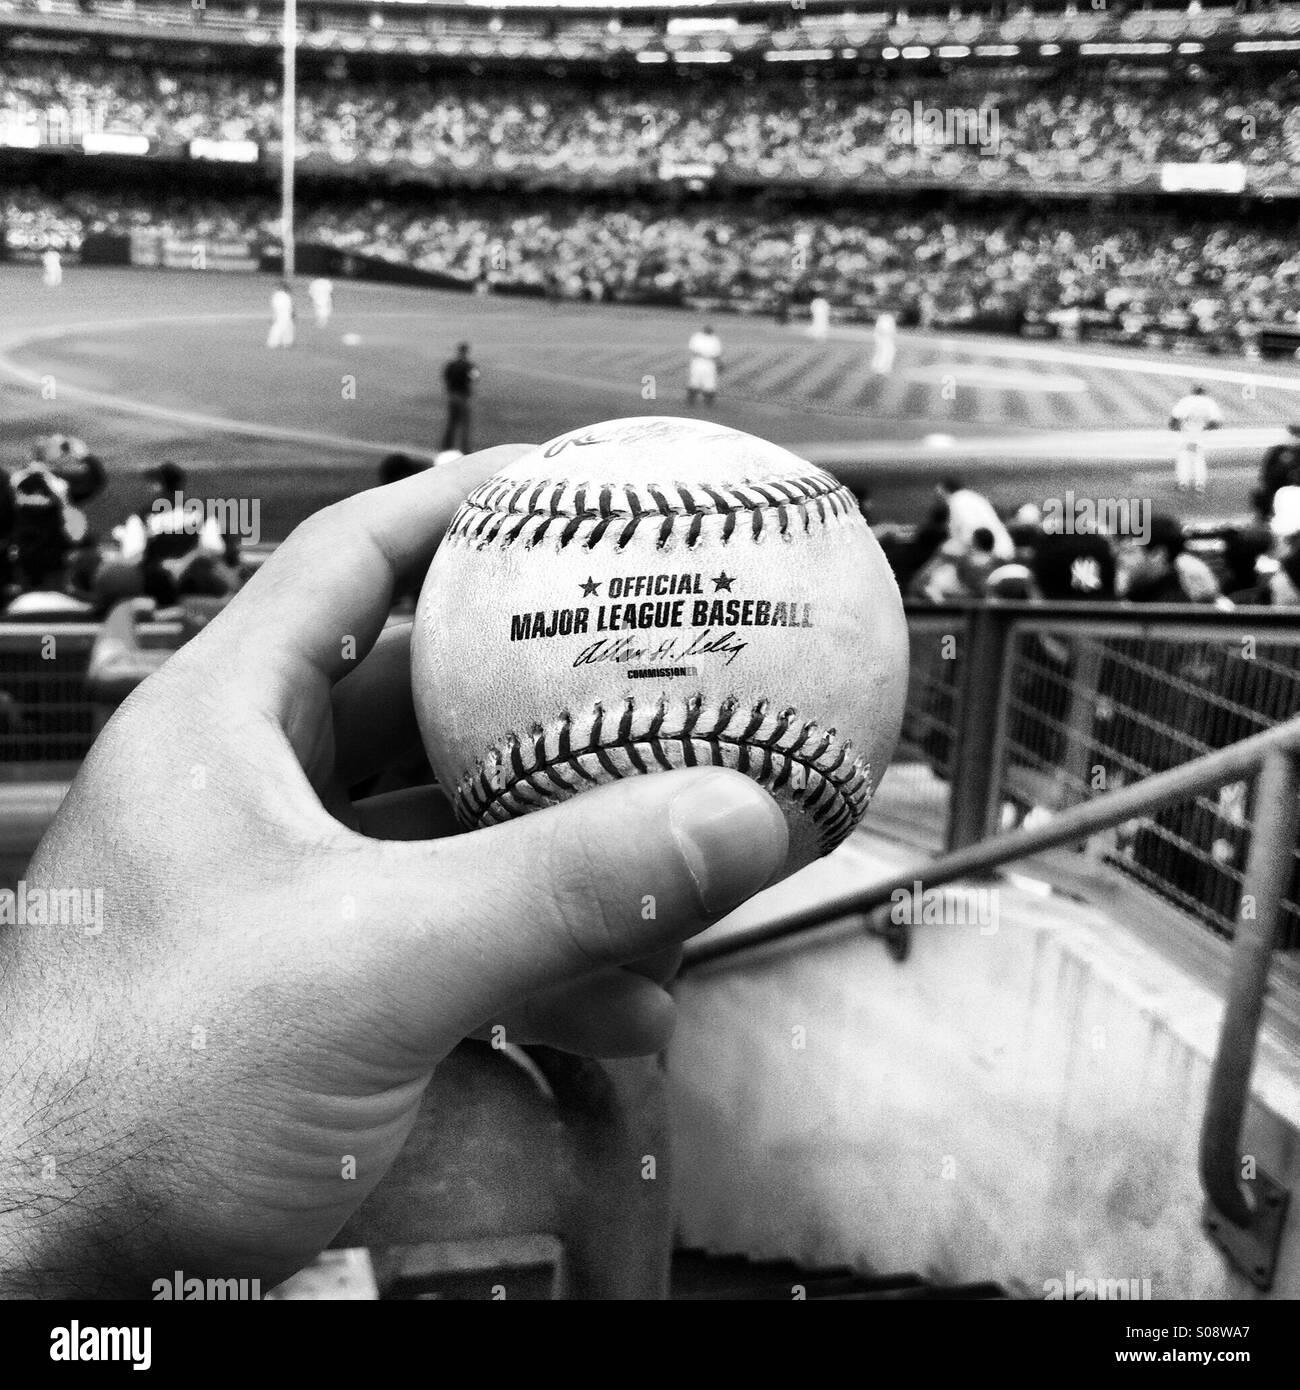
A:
(459, 376)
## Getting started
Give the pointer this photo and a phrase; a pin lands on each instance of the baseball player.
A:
(705, 348)
(52, 269)
(281, 334)
(458, 376)
(883, 345)
(819, 317)
(1191, 417)
(321, 294)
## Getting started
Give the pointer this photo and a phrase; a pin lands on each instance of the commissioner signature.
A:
(671, 649)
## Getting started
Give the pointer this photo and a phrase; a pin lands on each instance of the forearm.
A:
(50, 1247)
(73, 1220)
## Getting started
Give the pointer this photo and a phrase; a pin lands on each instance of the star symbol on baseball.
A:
(590, 587)
(723, 581)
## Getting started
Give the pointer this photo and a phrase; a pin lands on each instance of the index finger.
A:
(316, 607)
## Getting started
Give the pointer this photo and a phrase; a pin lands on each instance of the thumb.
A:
(612, 876)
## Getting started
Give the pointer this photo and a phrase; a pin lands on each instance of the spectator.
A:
(1074, 567)
(48, 594)
(1159, 569)
(167, 540)
(1243, 549)
(979, 562)
(1280, 468)
(39, 534)
(969, 512)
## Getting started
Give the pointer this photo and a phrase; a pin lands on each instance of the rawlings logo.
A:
(578, 441)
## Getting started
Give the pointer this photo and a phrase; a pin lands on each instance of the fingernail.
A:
(731, 835)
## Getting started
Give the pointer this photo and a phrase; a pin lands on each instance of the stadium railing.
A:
(1163, 740)
(1015, 713)
(1018, 712)
(47, 716)
(1245, 1209)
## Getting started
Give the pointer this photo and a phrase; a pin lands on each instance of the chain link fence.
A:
(1071, 701)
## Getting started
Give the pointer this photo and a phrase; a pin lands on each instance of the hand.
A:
(279, 970)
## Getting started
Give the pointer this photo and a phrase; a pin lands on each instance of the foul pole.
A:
(288, 132)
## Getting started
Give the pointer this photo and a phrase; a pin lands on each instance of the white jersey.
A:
(322, 293)
(884, 345)
(706, 352)
(282, 306)
(705, 346)
(1195, 414)
(968, 511)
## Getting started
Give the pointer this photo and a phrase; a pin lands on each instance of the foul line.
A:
(1071, 357)
(193, 419)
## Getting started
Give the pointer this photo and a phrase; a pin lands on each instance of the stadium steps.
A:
(528, 1268)
(701, 1277)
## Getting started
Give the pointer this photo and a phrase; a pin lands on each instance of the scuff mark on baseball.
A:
(656, 593)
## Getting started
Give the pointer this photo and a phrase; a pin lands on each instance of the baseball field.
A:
(149, 365)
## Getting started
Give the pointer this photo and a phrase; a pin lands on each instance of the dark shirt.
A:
(84, 476)
(37, 511)
(1074, 567)
(37, 531)
(1168, 588)
(1281, 468)
(459, 375)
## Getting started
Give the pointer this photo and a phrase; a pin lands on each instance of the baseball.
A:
(657, 593)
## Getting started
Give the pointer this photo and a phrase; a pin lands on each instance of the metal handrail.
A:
(1204, 774)
(1245, 1209)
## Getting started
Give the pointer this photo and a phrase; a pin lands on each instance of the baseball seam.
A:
(503, 512)
(810, 765)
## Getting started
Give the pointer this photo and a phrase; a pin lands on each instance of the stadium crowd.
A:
(1144, 281)
(937, 269)
(54, 565)
(965, 550)
(1102, 129)
(52, 561)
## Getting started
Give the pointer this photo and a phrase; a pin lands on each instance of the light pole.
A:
(288, 132)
